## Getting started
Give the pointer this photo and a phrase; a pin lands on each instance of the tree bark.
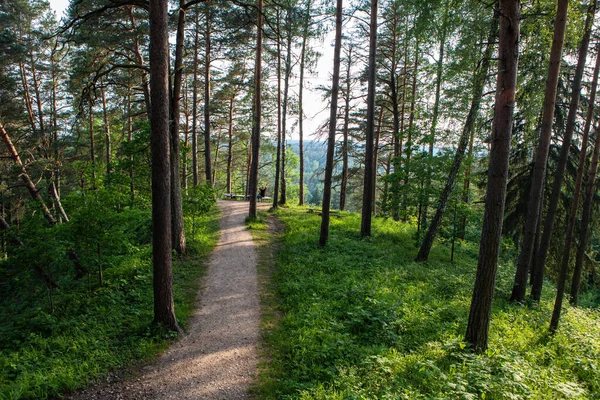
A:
(278, 156)
(540, 258)
(367, 207)
(33, 191)
(434, 120)
(106, 130)
(256, 118)
(564, 264)
(324, 235)
(585, 220)
(177, 225)
(207, 61)
(286, 90)
(541, 158)
(479, 79)
(195, 106)
(483, 292)
(345, 132)
(300, 102)
(230, 145)
(164, 308)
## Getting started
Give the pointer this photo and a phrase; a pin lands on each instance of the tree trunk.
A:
(335, 84)
(367, 207)
(540, 258)
(434, 122)
(164, 308)
(300, 104)
(286, 87)
(230, 145)
(140, 61)
(106, 130)
(345, 132)
(33, 191)
(585, 220)
(479, 79)
(411, 128)
(177, 225)
(483, 292)
(375, 158)
(92, 144)
(256, 118)
(278, 157)
(541, 159)
(564, 265)
(207, 61)
(195, 106)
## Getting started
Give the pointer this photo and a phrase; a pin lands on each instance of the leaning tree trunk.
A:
(540, 258)
(479, 79)
(31, 188)
(483, 292)
(164, 308)
(564, 265)
(367, 206)
(541, 158)
(585, 220)
(256, 118)
(335, 85)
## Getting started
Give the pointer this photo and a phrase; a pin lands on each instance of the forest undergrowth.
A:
(90, 327)
(361, 320)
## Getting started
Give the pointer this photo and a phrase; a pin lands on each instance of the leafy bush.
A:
(62, 326)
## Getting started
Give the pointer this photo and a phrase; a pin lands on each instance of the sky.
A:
(314, 107)
(59, 6)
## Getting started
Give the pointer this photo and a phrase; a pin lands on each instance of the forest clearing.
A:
(299, 199)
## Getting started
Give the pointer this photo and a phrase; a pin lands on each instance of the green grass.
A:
(92, 332)
(361, 320)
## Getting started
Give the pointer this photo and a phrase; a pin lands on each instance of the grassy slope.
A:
(44, 354)
(362, 320)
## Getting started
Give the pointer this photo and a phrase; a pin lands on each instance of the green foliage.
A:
(362, 320)
(55, 338)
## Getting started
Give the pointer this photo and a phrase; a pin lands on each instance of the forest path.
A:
(217, 359)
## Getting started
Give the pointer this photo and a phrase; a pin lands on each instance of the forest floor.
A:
(217, 359)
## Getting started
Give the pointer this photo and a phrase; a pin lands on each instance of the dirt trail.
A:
(218, 357)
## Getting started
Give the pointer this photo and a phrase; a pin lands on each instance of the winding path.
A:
(218, 357)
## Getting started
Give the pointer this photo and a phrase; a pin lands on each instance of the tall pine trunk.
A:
(207, 61)
(335, 85)
(483, 291)
(286, 91)
(278, 156)
(585, 220)
(300, 103)
(177, 226)
(479, 79)
(164, 308)
(256, 118)
(566, 251)
(540, 258)
(345, 132)
(367, 206)
(541, 159)
(195, 176)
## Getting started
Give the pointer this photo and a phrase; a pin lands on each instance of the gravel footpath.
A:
(217, 358)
